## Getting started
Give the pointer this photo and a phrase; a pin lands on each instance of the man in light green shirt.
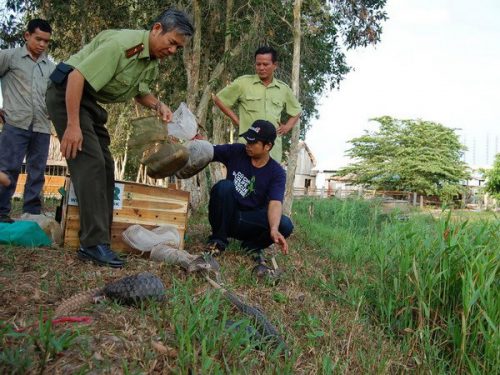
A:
(261, 97)
(115, 66)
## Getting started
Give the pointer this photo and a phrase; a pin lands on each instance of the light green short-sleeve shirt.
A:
(113, 76)
(255, 101)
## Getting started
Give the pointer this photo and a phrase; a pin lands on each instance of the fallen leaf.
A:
(159, 347)
(163, 349)
(98, 356)
(36, 295)
(44, 275)
(21, 299)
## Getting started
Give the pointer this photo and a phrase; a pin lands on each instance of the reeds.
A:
(432, 283)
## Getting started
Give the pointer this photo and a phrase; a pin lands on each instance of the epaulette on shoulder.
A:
(134, 50)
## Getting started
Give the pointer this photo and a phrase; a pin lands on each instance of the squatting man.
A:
(247, 205)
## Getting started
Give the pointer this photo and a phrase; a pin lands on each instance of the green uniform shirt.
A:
(256, 101)
(113, 76)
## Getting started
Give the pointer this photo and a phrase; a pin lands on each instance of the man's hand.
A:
(71, 141)
(227, 111)
(278, 239)
(284, 128)
(152, 102)
(164, 112)
(4, 179)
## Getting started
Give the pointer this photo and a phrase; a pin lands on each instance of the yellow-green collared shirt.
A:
(256, 101)
(113, 76)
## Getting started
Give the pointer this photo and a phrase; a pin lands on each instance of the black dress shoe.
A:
(101, 255)
(5, 219)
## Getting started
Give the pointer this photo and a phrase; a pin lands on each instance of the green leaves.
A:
(493, 178)
(411, 155)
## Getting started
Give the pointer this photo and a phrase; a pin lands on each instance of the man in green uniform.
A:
(261, 97)
(115, 66)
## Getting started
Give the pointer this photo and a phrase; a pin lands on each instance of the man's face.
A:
(166, 44)
(264, 66)
(256, 149)
(37, 42)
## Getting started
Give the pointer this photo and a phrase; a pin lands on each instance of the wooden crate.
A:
(148, 206)
(50, 187)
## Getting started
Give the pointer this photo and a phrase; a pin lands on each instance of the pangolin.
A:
(128, 290)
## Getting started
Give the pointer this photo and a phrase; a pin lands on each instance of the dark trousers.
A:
(92, 171)
(250, 227)
(15, 144)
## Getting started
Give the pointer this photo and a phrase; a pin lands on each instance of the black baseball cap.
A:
(261, 130)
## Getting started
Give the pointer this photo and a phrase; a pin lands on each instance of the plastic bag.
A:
(201, 153)
(183, 125)
(23, 233)
(49, 225)
(144, 239)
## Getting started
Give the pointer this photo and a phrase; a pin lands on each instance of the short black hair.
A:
(264, 50)
(38, 23)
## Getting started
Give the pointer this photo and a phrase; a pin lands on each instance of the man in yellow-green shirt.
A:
(115, 66)
(261, 97)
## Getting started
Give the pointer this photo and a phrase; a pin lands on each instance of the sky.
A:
(438, 60)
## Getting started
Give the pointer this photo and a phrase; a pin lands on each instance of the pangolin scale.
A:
(128, 290)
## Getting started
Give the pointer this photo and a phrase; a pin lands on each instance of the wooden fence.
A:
(50, 188)
(394, 198)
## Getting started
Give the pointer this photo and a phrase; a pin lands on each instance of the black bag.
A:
(60, 73)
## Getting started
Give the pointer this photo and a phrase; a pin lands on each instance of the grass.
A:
(430, 283)
(365, 292)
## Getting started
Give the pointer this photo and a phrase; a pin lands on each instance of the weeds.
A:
(364, 292)
(18, 348)
(432, 283)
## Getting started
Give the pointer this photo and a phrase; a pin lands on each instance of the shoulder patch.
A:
(134, 50)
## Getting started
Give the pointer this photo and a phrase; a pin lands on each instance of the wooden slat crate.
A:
(148, 206)
(50, 187)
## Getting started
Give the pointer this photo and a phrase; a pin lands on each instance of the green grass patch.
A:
(431, 283)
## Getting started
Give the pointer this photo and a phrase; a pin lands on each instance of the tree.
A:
(493, 178)
(409, 155)
(228, 33)
(294, 150)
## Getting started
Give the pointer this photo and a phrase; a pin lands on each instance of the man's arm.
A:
(153, 102)
(72, 139)
(226, 110)
(285, 128)
(5, 56)
(274, 212)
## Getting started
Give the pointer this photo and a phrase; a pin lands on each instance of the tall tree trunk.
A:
(192, 58)
(217, 170)
(294, 147)
(121, 160)
(220, 122)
